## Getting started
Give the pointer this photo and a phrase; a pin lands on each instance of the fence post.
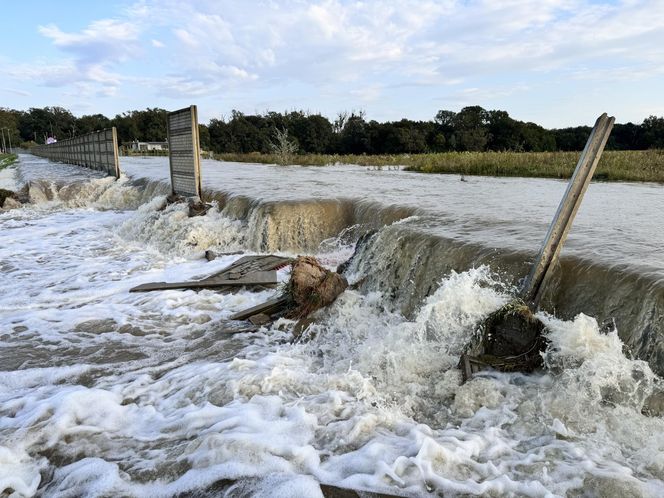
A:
(569, 205)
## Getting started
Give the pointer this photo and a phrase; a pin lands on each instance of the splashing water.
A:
(107, 393)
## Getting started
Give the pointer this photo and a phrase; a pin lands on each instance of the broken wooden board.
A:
(264, 278)
(258, 270)
(268, 307)
(211, 255)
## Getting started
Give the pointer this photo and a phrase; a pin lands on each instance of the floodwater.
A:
(107, 393)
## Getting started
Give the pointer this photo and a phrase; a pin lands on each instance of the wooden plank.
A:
(250, 264)
(569, 206)
(248, 270)
(263, 278)
(268, 307)
(505, 327)
(331, 491)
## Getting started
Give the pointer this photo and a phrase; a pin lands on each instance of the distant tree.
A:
(625, 137)
(204, 136)
(653, 132)
(313, 132)
(471, 128)
(248, 133)
(220, 136)
(354, 136)
(37, 123)
(536, 139)
(90, 123)
(151, 124)
(127, 127)
(9, 119)
(505, 132)
(445, 119)
(400, 137)
(442, 137)
(571, 138)
(340, 122)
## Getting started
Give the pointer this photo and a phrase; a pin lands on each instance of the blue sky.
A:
(555, 62)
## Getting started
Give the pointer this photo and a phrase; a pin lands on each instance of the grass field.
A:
(642, 165)
(7, 160)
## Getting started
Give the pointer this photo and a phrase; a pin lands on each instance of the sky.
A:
(554, 62)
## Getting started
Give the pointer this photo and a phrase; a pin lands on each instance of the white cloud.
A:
(16, 91)
(427, 41)
(186, 38)
(106, 39)
(260, 51)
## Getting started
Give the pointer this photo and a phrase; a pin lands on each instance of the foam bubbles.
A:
(110, 393)
(170, 230)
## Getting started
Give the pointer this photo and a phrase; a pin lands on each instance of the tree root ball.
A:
(312, 287)
(6, 194)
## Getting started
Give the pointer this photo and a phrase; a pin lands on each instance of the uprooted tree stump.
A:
(311, 287)
(7, 194)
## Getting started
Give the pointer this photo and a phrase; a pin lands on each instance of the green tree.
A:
(90, 123)
(354, 137)
(204, 136)
(504, 131)
(471, 128)
(653, 133)
(9, 120)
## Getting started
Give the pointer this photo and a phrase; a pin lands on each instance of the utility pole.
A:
(2, 130)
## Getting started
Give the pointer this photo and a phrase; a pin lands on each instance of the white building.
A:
(144, 146)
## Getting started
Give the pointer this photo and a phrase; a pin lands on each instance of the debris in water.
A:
(9, 199)
(211, 255)
(260, 319)
(311, 287)
(510, 339)
(248, 271)
(272, 307)
(196, 206)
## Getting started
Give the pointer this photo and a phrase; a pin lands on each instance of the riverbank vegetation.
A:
(472, 129)
(646, 165)
(471, 141)
(7, 160)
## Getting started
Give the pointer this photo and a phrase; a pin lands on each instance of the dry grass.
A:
(642, 165)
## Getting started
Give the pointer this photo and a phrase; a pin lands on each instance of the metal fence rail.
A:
(97, 150)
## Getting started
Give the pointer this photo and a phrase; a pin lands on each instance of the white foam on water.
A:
(168, 228)
(8, 178)
(109, 393)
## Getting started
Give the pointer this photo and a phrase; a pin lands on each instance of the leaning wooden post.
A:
(511, 338)
(569, 205)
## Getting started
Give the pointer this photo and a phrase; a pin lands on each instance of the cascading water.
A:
(107, 393)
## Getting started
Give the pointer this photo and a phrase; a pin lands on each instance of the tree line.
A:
(471, 129)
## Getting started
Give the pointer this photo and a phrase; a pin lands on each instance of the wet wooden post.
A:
(511, 338)
(569, 205)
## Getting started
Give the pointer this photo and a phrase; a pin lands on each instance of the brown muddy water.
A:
(107, 393)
